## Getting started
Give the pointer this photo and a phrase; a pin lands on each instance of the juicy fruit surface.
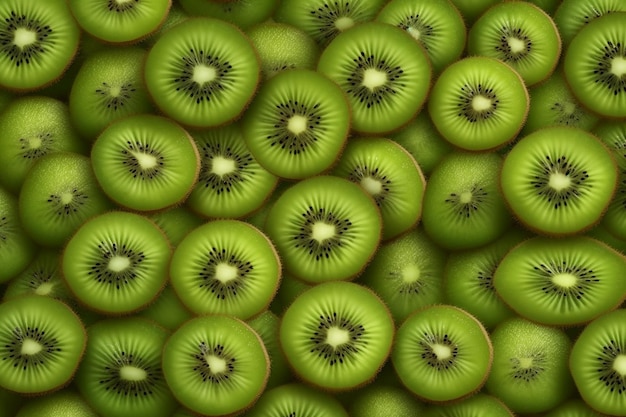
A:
(270, 216)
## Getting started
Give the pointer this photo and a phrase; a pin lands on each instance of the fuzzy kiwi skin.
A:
(64, 403)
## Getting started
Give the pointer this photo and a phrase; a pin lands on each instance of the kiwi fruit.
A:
(176, 222)
(41, 344)
(378, 400)
(167, 310)
(471, 10)
(17, 250)
(323, 20)
(32, 127)
(337, 335)
(442, 353)
(325, 228)
(298, 124)
(37, 43)
(407, 273)
(595, 65)
(574, 407)
(120, 374)
(11, 403)
(215, 365)
(225, 267)
(561, 282)
(64, 403)
(530, 371)
(613, 134)
(558, 180)
(145, 162)
(58, 194)
(571, 16)
(478, 103)
(282, 46)
(477, 405)
(120, 21)
(520, 34)
(297, 400)
(116, 263)
(463, 207)
(384, 72)
(108, 86)
(41, 277)
(290, 288)
(202, 72)
(597, 364)
(242, 13)
(437, 25)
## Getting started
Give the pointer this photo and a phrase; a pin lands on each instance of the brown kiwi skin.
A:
(259, 78)
(584, 229)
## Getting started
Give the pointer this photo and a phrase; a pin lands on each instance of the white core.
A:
(132, 373)
(371, 185)
(343, 23)
(373, 78)
(297, 124)
(442, 352)
(23, 37)
(618, 66)
(336, 336)
(481, 103)
(410, 273)
(221, 166)
(619, 364)
(321, 231)
(145, 161)
(203, 74)
(559, 181)
(516, 45)
(118, 263)
(44, 288)
(31, 347)
(564, 280)
(465, 197)
(225, 272)
(216, 364)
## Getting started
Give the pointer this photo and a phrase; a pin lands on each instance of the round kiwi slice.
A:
(337, 335)
(559, 180)
(379, 400)
(108, 86)
(41, 277)
(597, 363)
(613, 134)
(215, 365)
(442, 353)
(33, 126)
(116, 262)
(384, 72)
(325, 19)
(64, 403)
(282, 46)
(572, 15)
(242, 13)
(297, 400)
(479, 103)
(595, 65)
(561, 282)
(120, 374)
(202, 72)
(297, 124)
(530, 372)
(120, 21)
(145, 162)
(59, 193)
(407, 273)
(436, 24)
(41, 344)
(37, 43)
(463, 207)
(17, 250)
(325, 228)
(478, 405)
(520, 34)
(225, 267)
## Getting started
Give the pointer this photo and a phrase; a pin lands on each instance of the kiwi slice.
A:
(37, 43)
(325, 228)
(64, 403)
(572, 15)
(337, 335)
(282, 46)
(41, 344)
(325, 19)
(520, 34)
(297, 124)
(478, 103)
(33, 126)
(613, 134)
(108, 86)
(225, 267)
(530, 372)
(41, 277)
(116, 262)
(297, 400)
(407, 273)
(384, 72)
(574, 407)
(553, 104)
(478, 405)
(468, 279)
(379, 400)
(120, 21)
(597, 363)
(242, 13)
(595, 65)
(442, 353)
(215, 365)
(390, 174)
(121, 375)
(17, 250)
(436, 24)
(202, 72)
(463, 207)
(59, 193)
(561, 282)
(559, 180)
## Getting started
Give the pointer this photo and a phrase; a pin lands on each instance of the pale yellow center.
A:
(203, 74)
(66, 198)
(465, 197)
(31, 347)
(564, 280)
(618, 66)
(34, 142)
(343, 23)
(411, 273)
(23, 37)
(222, 166)
(559, 181)
(525, 363)
(225, 272)
(373, 78)
(336, 336)
(481, 103)
(145, 161)
(619, 364)
(216, 364)
(516, 45)
(442, 352)
(132, 373)
(321, 231)
(44, 288)
(415, 32)
(118, 263)
(371, 185)
(297, 124)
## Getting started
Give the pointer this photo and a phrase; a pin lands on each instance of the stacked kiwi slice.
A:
(310, 208)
